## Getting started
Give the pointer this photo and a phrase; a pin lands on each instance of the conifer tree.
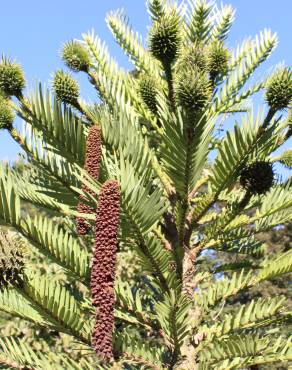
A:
(144, 185)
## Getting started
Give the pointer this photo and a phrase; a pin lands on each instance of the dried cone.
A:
(92, 166)
(11, 261)
(104, 268)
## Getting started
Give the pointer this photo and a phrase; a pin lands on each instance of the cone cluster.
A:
(92, 166)
(104, 268)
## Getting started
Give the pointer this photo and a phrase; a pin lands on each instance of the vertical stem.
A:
(169, 79)
(268, 118)
(184, 202)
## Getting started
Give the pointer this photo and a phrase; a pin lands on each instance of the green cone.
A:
(193, 56)
(12, 80)
(75, 56)
(148, 92)
(165, 39)
(193, 89)
(6, 113)
(258, 177)
(279, 89)
(66, 88)
(217, 59)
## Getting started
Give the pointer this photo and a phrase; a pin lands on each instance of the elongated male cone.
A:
(11, 261)
(258, 177)
(279, 89)
(66, 88)
(12, 80)
(6, 113)
(75, 56)
(92, 166)
(165, 39)
(104, 268)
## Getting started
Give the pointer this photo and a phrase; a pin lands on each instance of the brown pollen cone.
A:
(92, 166)
(104, 268)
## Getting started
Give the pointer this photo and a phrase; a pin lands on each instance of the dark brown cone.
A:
(104, 268)
(92, 166)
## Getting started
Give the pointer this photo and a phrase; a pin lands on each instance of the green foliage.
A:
(158, 127)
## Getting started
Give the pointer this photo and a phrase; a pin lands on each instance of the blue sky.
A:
(33, 31)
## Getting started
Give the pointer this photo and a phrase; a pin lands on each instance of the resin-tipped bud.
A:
(66, 88)
(258, 177)
(279, 89)
(75, 56)
(6, 113)
(12, 80)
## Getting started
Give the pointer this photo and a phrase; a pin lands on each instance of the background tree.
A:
(145, 186)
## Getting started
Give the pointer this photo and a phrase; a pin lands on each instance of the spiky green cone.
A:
(193, 56)
(66, 88)
(279, 89)
(258, 177)
(217, 60)
(6, 114)
(11, 261)
(12, 80)
(193, 89)
(165, 39)
(75, 56)
(148, 92)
